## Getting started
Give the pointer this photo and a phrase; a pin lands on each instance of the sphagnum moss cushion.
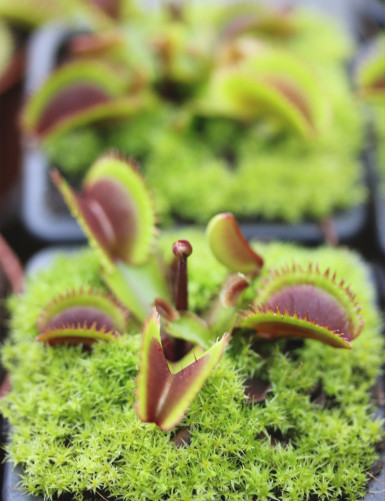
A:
(75, 430)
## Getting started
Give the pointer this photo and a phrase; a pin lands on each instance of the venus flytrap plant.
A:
(116, 212)
(297, 302)
(119, 220)
(292, 302)
(117, 215)
(83, 316)
(79, 93)
(268, 83)
(76, 423)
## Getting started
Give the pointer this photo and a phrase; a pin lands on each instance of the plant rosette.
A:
(125, 385)
(262, 123)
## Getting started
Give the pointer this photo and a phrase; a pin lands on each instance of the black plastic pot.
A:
(12, 475)
(10, 153)
(45, 215)
(371, 18)
(376, 183)
(43, 212)
(379, 208)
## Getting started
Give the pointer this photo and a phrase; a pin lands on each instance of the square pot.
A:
(10, 490)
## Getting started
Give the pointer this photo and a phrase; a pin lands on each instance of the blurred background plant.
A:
(190, 98)
(234, 107)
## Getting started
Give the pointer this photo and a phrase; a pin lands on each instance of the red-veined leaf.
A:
(115, 210)
(162, 396)
(305, 303)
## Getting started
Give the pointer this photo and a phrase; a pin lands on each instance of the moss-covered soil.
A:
(74, 429)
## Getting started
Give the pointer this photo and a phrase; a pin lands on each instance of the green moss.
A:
(135, 137)
(74, 428)
(74, 152)
(262, 173)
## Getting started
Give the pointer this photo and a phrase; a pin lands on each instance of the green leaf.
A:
(138, 287)
(229, 245)
(192, 328)
(222, 315)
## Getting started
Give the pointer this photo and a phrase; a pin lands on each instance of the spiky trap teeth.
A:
(82, 316)
(115, 209)
(294, 302)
